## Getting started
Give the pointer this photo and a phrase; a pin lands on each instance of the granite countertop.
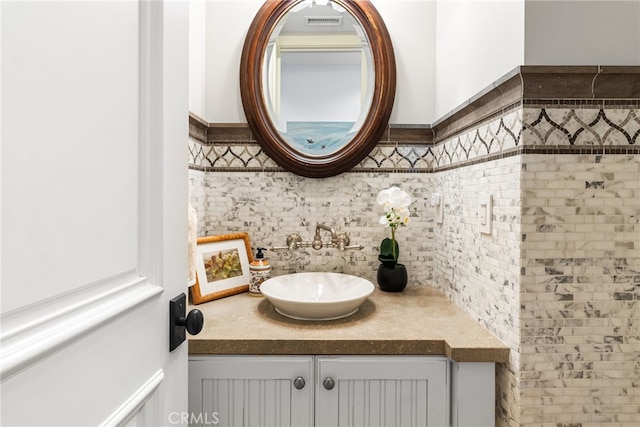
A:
(418, 321)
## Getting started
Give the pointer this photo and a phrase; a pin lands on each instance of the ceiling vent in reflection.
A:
(334, 21)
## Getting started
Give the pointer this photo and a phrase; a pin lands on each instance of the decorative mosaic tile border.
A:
(532, 109)
(229, 157)
(582, 127)
(557, 129)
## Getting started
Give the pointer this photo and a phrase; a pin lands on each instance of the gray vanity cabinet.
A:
(382, 391)
(327, 391)
(249, 391)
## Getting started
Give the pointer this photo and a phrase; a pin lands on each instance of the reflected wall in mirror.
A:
(316, 84)
(317, 81)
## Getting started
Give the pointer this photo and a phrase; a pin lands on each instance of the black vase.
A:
(392, 278)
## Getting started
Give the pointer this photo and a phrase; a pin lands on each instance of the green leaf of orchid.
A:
(387, 249)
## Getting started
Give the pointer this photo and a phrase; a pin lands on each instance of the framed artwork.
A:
(222, 266)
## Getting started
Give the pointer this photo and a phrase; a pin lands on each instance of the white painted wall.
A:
(197, 55)
(411, 25)
(227, 22)
(446, 50)
(308, 95)
(605, 32)
(477, 42)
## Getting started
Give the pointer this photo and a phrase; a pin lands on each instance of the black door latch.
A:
(180, 323)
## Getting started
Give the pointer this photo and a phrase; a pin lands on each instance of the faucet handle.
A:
(353, 248)
(293, 241)
(342, 241)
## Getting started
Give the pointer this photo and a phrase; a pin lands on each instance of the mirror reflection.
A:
(318, 77)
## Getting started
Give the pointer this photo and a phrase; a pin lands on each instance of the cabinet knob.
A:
(328, 383)
(299, 383)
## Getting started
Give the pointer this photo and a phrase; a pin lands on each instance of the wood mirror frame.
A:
(257, 112)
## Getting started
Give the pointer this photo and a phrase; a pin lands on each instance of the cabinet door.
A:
(382, 391)
(251, 391)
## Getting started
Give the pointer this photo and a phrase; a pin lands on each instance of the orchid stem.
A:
(393, 243)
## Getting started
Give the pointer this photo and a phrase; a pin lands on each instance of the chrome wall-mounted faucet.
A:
(338, 240)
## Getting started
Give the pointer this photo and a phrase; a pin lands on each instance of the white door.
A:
(93, 211)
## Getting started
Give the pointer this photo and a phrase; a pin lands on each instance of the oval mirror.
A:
(317, 81)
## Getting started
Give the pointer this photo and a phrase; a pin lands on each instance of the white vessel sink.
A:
(316, 296)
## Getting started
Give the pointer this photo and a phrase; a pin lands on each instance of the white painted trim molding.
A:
(130, 409)
(34, 332)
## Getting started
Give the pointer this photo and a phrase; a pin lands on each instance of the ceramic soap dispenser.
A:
(260, 270)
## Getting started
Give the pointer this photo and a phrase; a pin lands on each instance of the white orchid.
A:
(393, 197)
(396, 205)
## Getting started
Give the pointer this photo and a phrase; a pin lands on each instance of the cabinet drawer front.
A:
(250, 391)
(383, 391)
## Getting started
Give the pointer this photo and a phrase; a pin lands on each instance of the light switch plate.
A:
(485, 212)
(437, 201)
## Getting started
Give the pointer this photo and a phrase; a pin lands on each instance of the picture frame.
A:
(222, 267)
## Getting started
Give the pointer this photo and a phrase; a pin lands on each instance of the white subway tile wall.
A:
(580, 291)
(197, 197)
(481, 272)
(272, 205)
